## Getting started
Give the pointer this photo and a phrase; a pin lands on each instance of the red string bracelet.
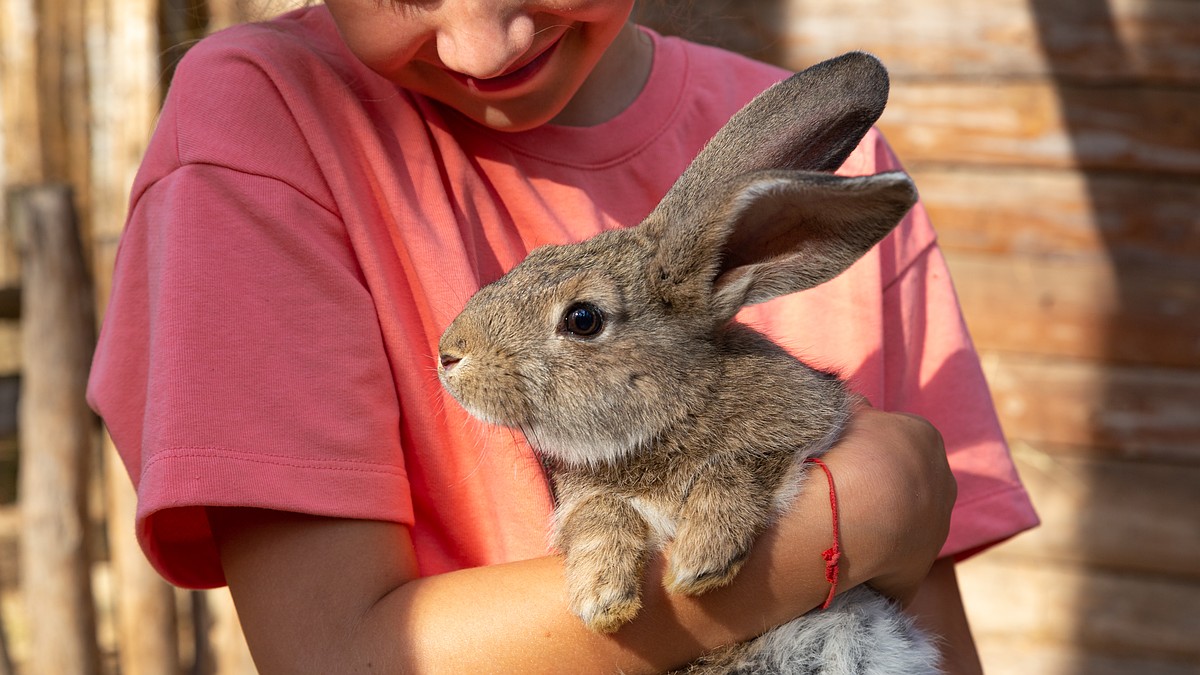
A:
(833, 554)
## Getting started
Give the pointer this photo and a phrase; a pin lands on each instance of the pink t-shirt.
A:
(301, 232)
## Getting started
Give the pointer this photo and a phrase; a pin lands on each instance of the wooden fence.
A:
(1056, 144)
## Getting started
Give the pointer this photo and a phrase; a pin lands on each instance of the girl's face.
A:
(508, 64)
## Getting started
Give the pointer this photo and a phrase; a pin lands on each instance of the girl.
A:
(323, 192)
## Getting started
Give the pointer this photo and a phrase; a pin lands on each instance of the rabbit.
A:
(659, 417)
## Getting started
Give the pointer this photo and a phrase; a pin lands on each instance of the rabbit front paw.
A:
(605, 606)
(700, 564)
(604, 540)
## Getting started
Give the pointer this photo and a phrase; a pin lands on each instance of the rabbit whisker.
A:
(553, 26)
(481, 447)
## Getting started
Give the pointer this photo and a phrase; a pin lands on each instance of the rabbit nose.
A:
(448, 361)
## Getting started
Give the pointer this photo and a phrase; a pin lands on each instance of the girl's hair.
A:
(750, 27)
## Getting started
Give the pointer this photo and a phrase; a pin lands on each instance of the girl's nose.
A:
(483, 39)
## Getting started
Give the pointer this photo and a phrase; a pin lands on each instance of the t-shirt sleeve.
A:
(241, 361)
(932, 369)
(241, 364)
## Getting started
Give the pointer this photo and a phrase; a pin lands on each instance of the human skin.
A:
(333, 595)
(328, 595)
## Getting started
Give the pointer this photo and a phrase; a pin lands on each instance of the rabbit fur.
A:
(660, 418)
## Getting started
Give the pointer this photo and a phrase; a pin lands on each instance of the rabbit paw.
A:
(607, 607)
(697, 569)
(604, 540)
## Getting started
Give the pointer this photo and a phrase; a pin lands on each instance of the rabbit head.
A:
(593, 349)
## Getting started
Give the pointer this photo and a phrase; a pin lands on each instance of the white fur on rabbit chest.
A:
(604, 446)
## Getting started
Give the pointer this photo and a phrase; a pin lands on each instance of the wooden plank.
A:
(124, 98)
(63, 88)
(143, 609)
(1122, 40)
(1145, 411)
(1121, 516)
(1037, 123)
(19, 89)
(1166, 456)
(1118, 40)
(1017, 656)
(1130, 218)
(1090, 610)
(1081, 307)
(22, 117)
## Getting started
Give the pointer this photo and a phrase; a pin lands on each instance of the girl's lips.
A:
(511, 79)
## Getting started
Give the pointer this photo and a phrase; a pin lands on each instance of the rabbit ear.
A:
(785, 231)
(811, 121)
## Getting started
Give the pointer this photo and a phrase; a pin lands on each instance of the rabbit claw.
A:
(701, 563)
(697, 581)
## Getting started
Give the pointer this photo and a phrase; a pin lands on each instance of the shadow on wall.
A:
(1151, 254)
(1058, 25)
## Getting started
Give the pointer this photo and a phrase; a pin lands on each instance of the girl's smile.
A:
(512, 78)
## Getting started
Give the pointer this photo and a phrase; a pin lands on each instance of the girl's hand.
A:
(896, 493)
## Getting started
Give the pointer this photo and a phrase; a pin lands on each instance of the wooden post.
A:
(144, 605)
(64, 109)
(22, 158)
(56, 430)
(124, 95)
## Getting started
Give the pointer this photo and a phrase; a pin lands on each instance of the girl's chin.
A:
(507, 119)
(516, 113)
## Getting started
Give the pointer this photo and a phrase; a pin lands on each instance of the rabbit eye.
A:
(582, 320)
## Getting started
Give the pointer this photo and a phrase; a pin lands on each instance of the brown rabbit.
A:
(660, 417)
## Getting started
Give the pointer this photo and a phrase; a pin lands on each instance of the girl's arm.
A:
(329, 595)
(938, 608)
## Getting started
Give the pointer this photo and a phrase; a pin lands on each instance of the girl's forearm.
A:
(513, 618)
(938, 608)
(331, 595)
(325, 595)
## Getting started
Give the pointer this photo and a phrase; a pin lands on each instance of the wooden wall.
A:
(1056, 144)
